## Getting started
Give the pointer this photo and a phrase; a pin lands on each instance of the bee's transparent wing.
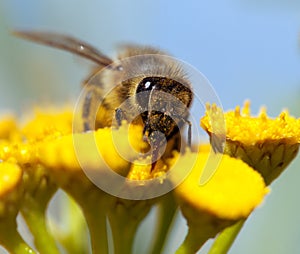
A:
(67, 43)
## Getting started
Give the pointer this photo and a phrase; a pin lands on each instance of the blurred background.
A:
(247, 49)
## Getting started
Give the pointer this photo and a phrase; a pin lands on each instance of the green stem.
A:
(94, 204)
(125, 216)
(123, 236)
(75, 238)
(167, 210)
(192, 242)
(11, 239)
(226, 238)
(96, 221)
(34, 215)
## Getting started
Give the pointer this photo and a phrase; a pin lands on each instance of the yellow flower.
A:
(268, 145)
(231, 194)
(48, 123)
(10, 188)
(37, 184)
(11, 196)
(8, 127)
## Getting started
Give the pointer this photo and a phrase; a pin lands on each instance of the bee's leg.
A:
(154, 157)
(119, 116)
(217, 144)
(155, 154)
(189, 137)
(90, 107)
(189, 134)
(86, 111)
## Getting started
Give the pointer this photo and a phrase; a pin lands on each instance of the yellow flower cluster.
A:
(44, 155)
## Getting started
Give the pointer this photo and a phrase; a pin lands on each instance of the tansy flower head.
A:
(8, 127)
(11, 194)
(48, 123)
(266, 144)
(10, 188)
(231, 194)
(99, 153)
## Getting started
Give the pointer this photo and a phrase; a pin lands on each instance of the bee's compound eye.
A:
(147, 84)
(144, 88)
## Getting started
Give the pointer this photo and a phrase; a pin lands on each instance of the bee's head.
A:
(161, 86)
(164, 104)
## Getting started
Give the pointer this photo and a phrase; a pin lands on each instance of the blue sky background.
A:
(247, 49)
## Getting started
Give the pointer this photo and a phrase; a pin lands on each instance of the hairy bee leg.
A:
(217, 144)
(86, 110)
(119, 116)
(90, 108)
(153, 166)
(189, 138)
(155, 155)
(189, 134)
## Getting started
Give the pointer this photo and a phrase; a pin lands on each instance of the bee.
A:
(152, 90)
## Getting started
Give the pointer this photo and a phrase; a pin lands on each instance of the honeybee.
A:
(151, 90)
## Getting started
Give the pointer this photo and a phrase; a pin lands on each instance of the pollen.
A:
(48, 124)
